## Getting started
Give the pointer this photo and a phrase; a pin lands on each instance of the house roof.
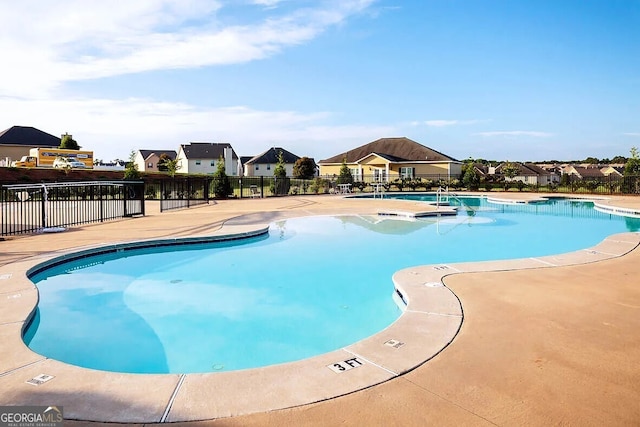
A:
(481, 168)
(148, 153)
(393, 149)
(27, 135)
(612, 169)
(206, 150)
(537, 169)
(525, 169)
(271, 156)
(587, 172)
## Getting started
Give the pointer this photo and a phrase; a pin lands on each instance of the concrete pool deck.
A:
(554, 340)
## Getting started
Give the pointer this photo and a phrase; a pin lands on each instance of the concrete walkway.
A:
(545, 346)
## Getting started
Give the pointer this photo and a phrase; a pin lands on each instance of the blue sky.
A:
(503, 80)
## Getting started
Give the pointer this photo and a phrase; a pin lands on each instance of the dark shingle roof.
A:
(537, 170)
(528, 169)
(588, 172)
(27, 135)
(394, 149)
(271, 156)
(206, 150)
(170, 153)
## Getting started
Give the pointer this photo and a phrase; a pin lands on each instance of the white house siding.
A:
(266, 169)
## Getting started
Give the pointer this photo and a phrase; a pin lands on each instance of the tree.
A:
(280, 171)
(510, 170)
(592, 160)
(304, 168)
(619, 159)
(345, 176)
(68, 143)
(281, 183)
(166, 164)
(131, 169)
(172, 166)
(633, 163)
(470, 179)
(221, 183)
(162, 162)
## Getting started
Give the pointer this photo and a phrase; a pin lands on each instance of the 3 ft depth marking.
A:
(345, 365)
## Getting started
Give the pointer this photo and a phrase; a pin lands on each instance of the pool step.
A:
(421, 214)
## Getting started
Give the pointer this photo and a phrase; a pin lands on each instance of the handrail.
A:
(450, 194)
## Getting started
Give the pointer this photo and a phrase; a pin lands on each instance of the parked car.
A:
(67, 163)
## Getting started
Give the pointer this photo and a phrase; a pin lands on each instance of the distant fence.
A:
(29, 208)
(183, 192)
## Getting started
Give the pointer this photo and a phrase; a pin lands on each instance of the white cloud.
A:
(515, 133)
(267, 3)
(112, 128)
(443, 123)
(70, 40)
(632, 133)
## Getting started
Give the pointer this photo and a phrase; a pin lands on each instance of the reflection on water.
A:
(312, 285)
(387, 225)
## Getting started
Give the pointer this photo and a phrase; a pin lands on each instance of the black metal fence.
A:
(34, 207)
(179, 193)
(183, 192)
(29, 208)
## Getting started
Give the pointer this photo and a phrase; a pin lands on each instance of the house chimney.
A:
(228, 161)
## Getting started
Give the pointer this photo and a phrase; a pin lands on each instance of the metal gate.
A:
(29, 208)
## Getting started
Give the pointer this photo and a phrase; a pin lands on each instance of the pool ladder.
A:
(449, 194)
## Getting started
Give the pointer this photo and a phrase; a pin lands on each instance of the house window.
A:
(257, 167)
(268, 167)
(380, 175)
(198, 162)
(213, 162)
(150, 165)
(407, 173)
(355, 173)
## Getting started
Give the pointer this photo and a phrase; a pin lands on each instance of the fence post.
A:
(142, 189)
(261, 186)
(161, 194)
(188, 192)
(43, 202)
(101, 202)
(124, 197)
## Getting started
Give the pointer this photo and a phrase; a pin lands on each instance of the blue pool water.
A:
(310, 286)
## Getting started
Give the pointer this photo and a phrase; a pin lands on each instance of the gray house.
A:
(203, 157)
(16, 142)
(263, 164)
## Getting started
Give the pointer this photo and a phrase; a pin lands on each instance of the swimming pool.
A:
(136, 301)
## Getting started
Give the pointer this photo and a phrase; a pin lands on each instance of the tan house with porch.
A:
(387, 159)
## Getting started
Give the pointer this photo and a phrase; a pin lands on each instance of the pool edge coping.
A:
(414, 283)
